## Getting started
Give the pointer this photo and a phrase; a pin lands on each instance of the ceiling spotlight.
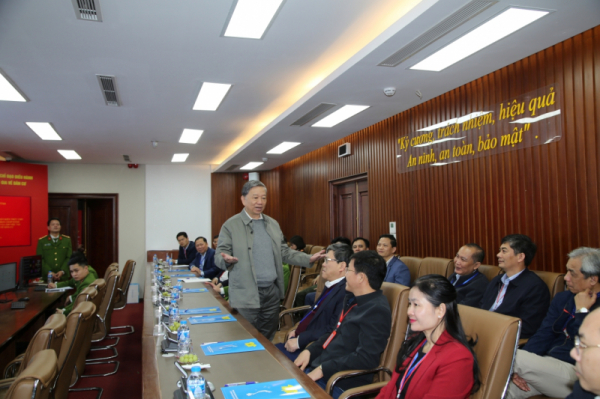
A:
(154, 144)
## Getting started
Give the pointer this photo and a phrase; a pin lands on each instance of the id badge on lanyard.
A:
(333, 334)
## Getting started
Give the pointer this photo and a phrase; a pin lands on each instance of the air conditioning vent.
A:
(87, 10)
(109, 90)
(232, 167)
(453, 21)
(126, 158)
(312, 114)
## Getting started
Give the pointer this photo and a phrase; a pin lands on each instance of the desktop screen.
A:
(30, 270)
(8, 277)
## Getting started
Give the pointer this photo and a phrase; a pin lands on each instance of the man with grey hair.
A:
(252, 248)
(324, 315)
(544, 366)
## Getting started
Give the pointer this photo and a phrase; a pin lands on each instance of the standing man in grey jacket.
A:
(251, 246)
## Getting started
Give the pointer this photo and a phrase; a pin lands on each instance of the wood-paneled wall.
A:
(549, 192)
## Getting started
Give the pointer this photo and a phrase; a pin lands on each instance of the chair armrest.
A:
(6, 383)
(370, 390)
(306, 276)
(340, 375)
(294, 310)
(11, 368)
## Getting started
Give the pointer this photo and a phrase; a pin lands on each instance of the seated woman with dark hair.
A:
(436, 361)
(82, 275)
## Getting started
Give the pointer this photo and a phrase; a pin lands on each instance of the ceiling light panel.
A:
(190, 136)
(490, 32)
(69, 154)
(210, 96)
(250, 18)
(251, 165)
(44, 129)
(347, 111)
(283, 147)
(8, 91)
(179, 157)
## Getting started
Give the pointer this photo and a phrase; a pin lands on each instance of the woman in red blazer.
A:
(436, 361)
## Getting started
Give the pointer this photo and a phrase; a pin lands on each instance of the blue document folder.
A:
(264, 390)
(221, 348)
(184, 312)
(193, 290)
(211, 319)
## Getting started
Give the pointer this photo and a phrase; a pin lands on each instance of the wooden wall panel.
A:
(549, 192)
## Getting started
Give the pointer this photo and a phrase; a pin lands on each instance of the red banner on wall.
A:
(15, 221)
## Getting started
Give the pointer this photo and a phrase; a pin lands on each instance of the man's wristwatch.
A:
(582, 310)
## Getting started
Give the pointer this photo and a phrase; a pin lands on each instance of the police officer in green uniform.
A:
(81, 276)
(55, 249)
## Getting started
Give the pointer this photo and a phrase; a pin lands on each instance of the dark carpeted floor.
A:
(127, 383)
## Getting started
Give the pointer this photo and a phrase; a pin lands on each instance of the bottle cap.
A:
(195, 369)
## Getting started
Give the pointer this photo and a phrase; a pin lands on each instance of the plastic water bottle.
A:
(175, 294)
(170, 264)
(183, 339)
(173, 312)
(196, 384)
(155, 259)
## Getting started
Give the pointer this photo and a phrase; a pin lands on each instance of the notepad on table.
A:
(274, 389)
(222, 348)
(194, 280)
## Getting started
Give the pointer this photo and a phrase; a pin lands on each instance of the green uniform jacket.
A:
(55, 257)
(79, 286)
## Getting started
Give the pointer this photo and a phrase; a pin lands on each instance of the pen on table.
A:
(210, 343)
(235, 384)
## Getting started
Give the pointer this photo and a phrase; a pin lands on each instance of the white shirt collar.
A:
(55, 237)
(389, 260)
(261, 216)
(506, 279)
(328, 284)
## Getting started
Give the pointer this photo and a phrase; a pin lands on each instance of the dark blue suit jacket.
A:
(527, 297)
(210, 269)
(470, 289)
(190, 253)
(397, 272)
(326, 316)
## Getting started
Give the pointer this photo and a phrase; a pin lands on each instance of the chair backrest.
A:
(89, 293)
(554, 281)
(48, 337)
(111, 268)
(307, 248)
(288, 301)
(104, 313)
(413, 264)
(100, 285)
(442, 266)
(497, 336)
(36, 380)
(489, 271)
(124, 283)
(78, 320)
(397, 296)
(86, 343)
(316, 267)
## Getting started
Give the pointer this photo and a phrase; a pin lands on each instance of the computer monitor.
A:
(8, 277)
(30, 269)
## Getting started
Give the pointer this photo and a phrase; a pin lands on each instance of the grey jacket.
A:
(236, 239)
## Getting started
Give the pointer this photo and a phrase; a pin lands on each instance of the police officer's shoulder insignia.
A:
(66, 236)
(41, 238)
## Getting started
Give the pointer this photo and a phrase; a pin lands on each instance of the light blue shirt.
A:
(505, 281)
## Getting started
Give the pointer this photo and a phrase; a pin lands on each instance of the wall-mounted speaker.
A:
(344, 150)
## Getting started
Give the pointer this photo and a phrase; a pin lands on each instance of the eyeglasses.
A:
(331, 260)
(350, 270)
(580, 347)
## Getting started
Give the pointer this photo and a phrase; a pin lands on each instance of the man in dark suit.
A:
(187, 252)
(203, 264)
(397, 272)
(518, 292)
(470, 284)
(324, 316)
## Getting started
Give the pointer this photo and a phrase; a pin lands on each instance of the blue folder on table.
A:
(222, 348)
(183, 275)
(199, 311)
(193, 290)
(211, 319)
(274, 389)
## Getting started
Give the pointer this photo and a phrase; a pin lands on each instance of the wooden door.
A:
(100, 233)
(350, 208)
(65, 209)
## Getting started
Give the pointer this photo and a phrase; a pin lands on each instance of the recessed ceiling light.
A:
(251, 165)
(69, 154)
(44, 130)
(179, 157)
(210, 96)
(347, 111)
(490, 32)
(251, 18)
(283, 147)
(8, 92)
(190, 136)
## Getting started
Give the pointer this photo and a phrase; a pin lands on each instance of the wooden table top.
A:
(159, 374)
(13, 321)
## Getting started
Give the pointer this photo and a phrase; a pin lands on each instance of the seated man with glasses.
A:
(587, 358)
(544, 366)
(324, 315)
(362, 330)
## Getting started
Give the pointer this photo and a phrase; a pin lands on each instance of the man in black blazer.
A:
(187, 252)
(470, 284)
(325, 314)
(203, 264)
(518, 292)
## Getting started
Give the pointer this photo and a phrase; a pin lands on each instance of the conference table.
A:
(160, 376)
(18, 326)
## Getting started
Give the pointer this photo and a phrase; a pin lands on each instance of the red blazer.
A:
(446, 372)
